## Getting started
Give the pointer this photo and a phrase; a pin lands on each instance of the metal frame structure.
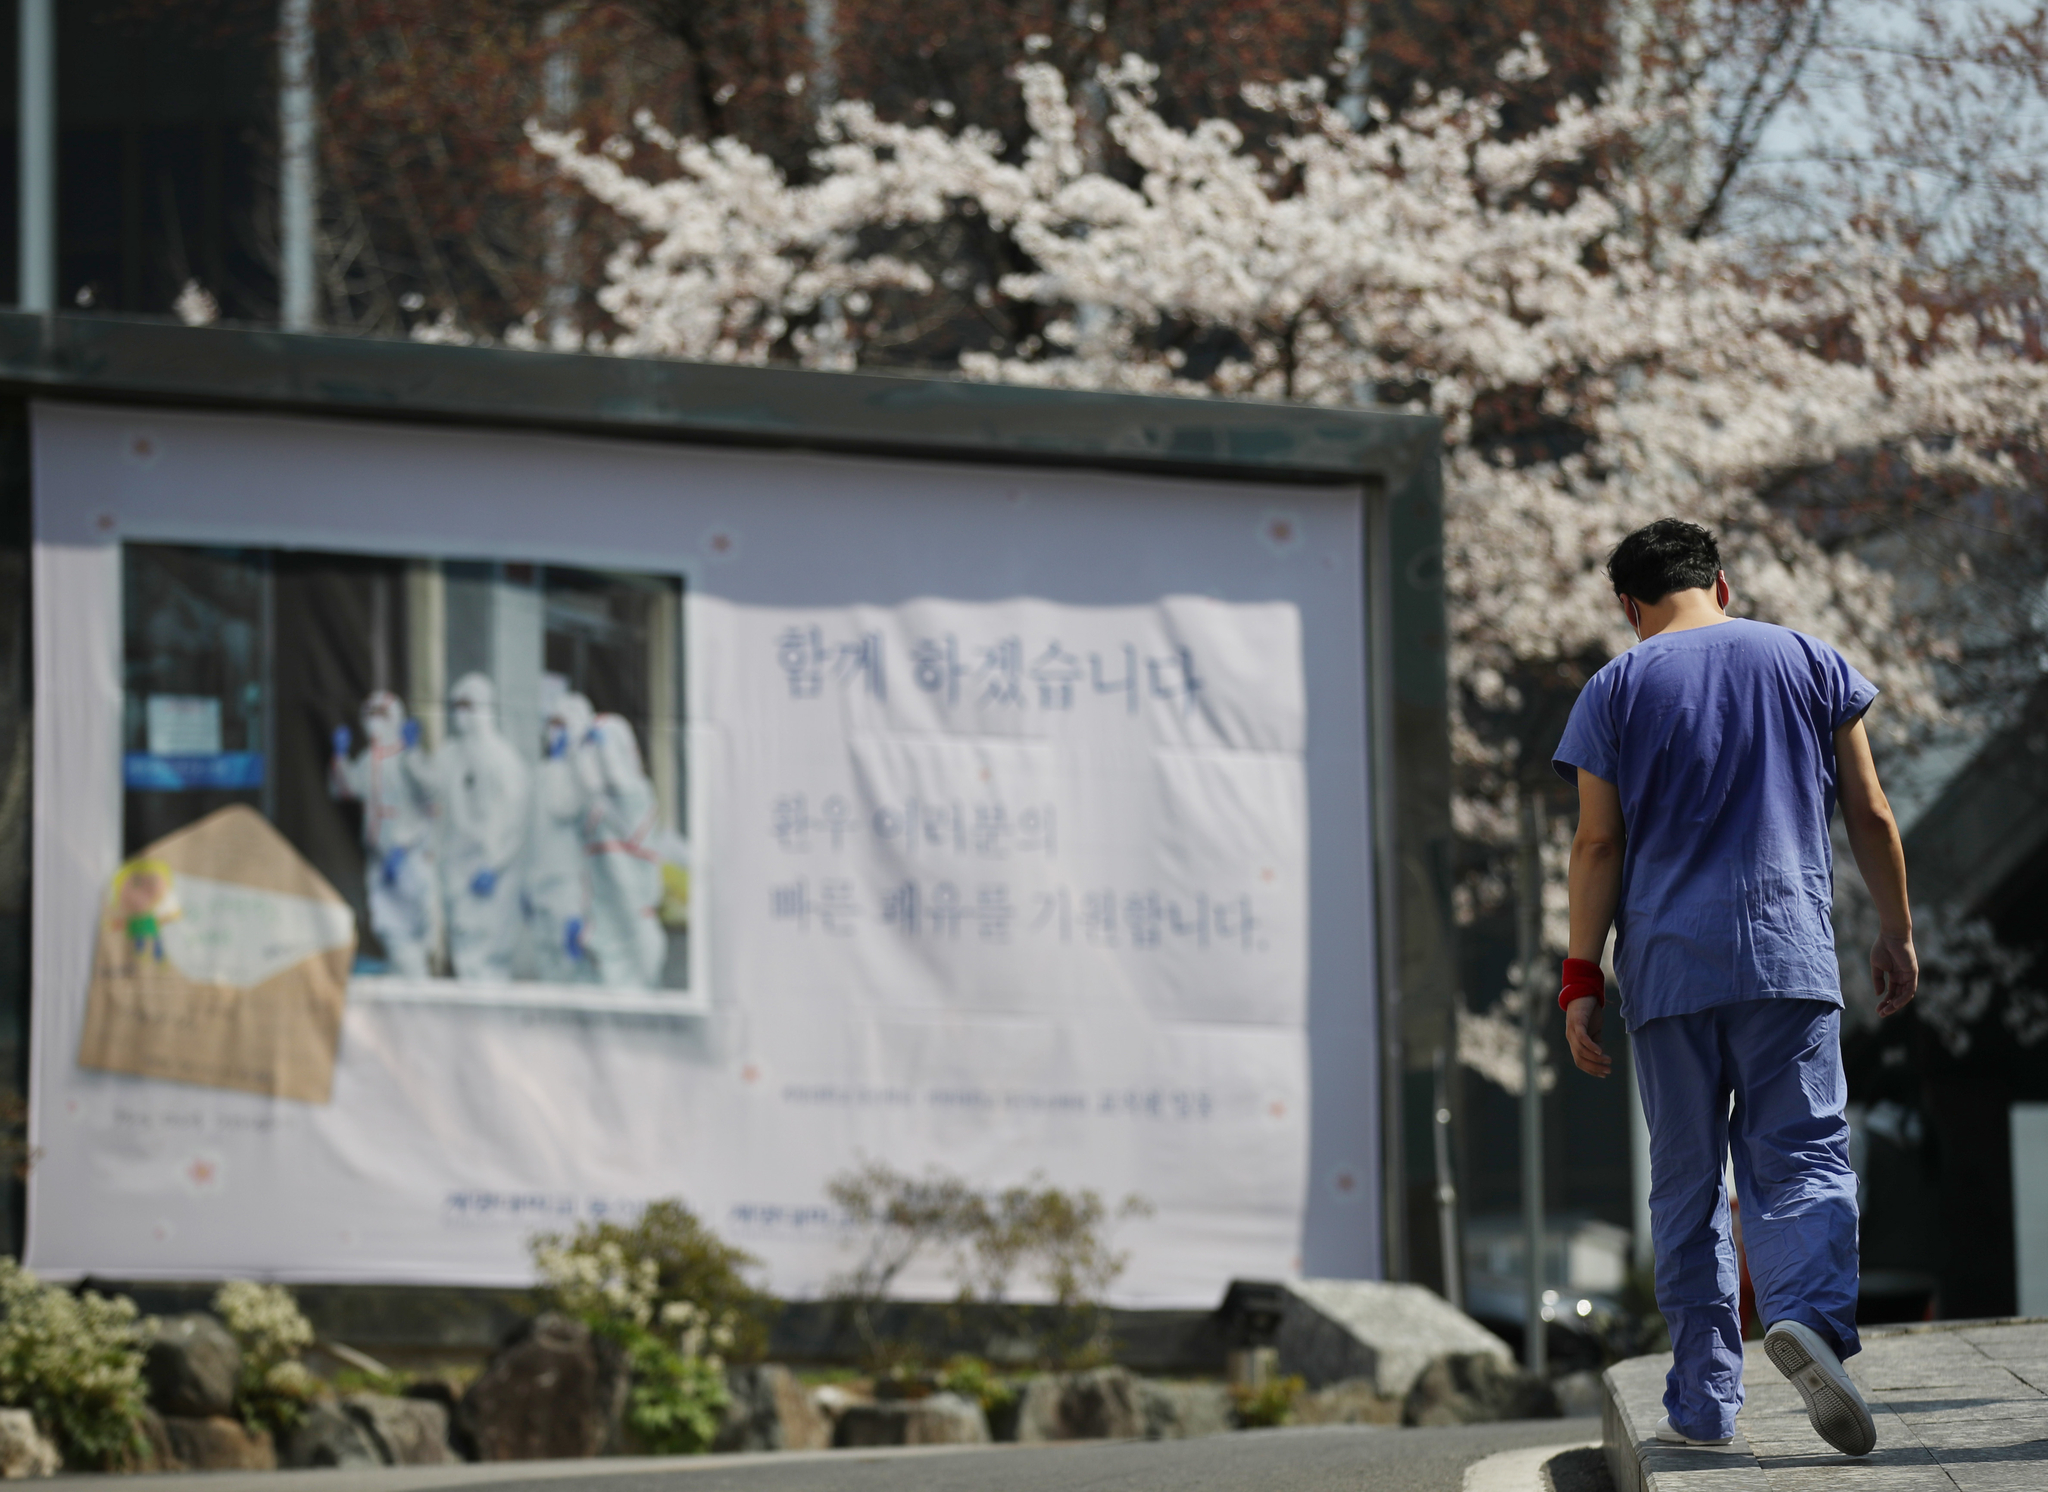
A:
(1390, 459)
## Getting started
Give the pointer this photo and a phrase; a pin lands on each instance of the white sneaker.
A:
(1836, 1411)
(1672, 1435)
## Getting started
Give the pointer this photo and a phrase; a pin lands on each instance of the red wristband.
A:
(1582, 977)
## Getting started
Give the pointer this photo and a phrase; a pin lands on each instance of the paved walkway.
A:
(1959, 1405)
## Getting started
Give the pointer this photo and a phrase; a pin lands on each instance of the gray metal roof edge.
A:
(133, 359)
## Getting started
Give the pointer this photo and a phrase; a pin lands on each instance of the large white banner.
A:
(991, 799)
(1019, 881)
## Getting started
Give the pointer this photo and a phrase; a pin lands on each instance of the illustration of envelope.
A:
(222, 960)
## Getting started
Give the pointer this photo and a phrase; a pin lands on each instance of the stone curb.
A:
(1632, 1401)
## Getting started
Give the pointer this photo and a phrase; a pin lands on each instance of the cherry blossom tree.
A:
(1596, 363)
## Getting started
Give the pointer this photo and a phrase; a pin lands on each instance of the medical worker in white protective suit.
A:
(625, 937)
(390, 778)
(486, 809)
(557, 869)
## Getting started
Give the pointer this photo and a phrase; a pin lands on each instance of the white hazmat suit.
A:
(486, 810)
(625, 936)
(390, 778)
(557, 869)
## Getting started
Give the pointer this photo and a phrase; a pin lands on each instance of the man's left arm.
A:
(1595, 892)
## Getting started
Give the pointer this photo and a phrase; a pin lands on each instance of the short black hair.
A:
(1668, 555)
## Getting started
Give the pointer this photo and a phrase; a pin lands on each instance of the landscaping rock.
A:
(771, 1411)
(155, 1454)
(449, 1397)
(1355, 1401)
(405, 1432)
(1100, 1404)
(24, 1450)
(216, 1443)
(1332, 1330)
(1183, 1411)
(191, 1365)
(832, 1400)
(330, 1436)
(1469, 1388)
(1579, 1394)
(551, 1391)
(942, 1419)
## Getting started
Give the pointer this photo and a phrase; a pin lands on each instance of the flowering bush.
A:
(265, 1320)
(75, 1363)
(670, 1296)
(595, 1282)
(604, 1267)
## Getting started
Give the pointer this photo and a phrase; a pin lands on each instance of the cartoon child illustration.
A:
(143, 900)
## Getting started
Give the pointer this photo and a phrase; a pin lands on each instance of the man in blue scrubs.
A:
(1709, 759)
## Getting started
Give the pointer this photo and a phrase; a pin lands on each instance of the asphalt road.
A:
(1305, 1460)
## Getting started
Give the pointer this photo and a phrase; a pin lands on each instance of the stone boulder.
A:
(154, 1453)
(1183, 1411)
(771, 1411)
(215, 1443)
(404, 1432)
(328, 1435)
(445, 1393)
(24, 1450)
(1355, 1401)
(552, 1391)
(832, 1400)
(942, 1419)
(191, 1366)
(1469, 1388)
(1579, 1395)
(1099, 1404)
(1333, 1330)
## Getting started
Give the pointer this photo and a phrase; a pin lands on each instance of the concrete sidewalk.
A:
(1958, 1405)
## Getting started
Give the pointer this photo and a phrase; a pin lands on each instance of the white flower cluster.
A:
(267, 1322)
(1490, 1043)
(696, 1333)
(599, 1280)
(72, 1349)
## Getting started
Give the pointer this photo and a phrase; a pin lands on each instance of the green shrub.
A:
(75, 1363)
(1269, 1404)
(265, 1321)
(346, 1381)
(677, 1401)
(972, 1378)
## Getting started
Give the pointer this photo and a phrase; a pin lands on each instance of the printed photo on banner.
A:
(484, 760)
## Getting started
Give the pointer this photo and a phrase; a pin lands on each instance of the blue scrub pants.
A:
(1782, 1061)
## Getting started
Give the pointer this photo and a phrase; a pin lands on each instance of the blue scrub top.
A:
(1721, 740)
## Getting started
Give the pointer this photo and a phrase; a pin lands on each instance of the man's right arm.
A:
(1874, 837)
